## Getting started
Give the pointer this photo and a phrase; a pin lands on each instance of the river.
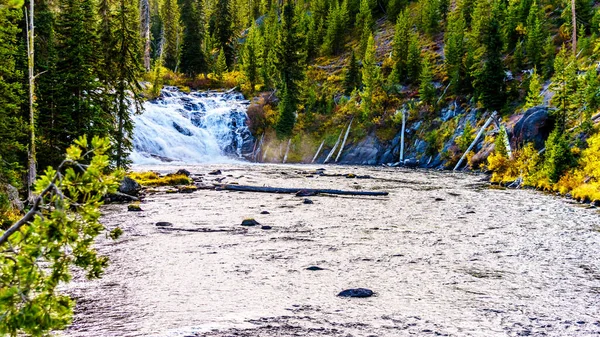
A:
(445, 254)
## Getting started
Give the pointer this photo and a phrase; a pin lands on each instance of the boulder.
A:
(358, 292)
(250, 223)
(366, 152)
(129, 186)
(164, 224)
(13, 197)
(534, 126)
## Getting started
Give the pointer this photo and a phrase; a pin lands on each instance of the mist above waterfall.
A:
(199, 127)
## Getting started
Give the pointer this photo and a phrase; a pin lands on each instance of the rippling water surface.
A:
(445, 254)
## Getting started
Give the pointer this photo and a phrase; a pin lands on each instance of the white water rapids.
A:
(199, 127)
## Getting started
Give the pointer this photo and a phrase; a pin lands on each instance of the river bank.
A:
(445, 254)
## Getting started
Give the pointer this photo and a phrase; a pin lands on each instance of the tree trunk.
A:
(574, 19)
(145, 30)
(318, 151)
(487, 123)
(334, 147)
(31, 175)
(402, 136)
(344, 142)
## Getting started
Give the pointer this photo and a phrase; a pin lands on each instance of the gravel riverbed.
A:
(445, 254)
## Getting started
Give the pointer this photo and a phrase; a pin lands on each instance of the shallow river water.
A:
(445, 254)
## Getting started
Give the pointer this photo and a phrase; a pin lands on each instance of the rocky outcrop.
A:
(366, 152)
(534, 127)
(13, 196)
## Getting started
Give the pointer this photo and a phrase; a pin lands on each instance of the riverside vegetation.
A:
(313, 66)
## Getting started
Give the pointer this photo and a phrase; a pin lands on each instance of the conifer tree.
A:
(454, 50)
(287, 115)
(193, 59)
(371, 78)
(250, 56)
(535, 38)
(289, 60)
(352, 76)
(172, 33)
(548, 58)
(223, 30)
(413, 63)
(128, 69)
(564, 86)
(426, 88)
(11, 97)
(400, 48)
(221, 65)
(430, 16)
(364, 24)
(535, 87)
(337, 22)
(394, 8)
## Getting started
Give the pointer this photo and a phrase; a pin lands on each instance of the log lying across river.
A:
(299, 191)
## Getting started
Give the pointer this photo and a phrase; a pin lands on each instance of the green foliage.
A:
(413, 63)
(535, 35)
(154, 179)
(171, 33)
(221, 67)
(400, 47)
(548, 58)
(12, 126)
(466, 138)
(455, 50)
(337, 25)
(430, 16)
(193, 59)
(287, 116)
(426, 88)
(352, 76)
(364, 24)
(371, 77)
(222, 23)
(394, 8)
(250, 56)
(564, 86)
(534, 97)
(557, 157)
(59, 238)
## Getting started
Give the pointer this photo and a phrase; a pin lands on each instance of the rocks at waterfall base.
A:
(129, 186)
(250, 223)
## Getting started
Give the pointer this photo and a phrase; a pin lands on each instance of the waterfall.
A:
(199, 127)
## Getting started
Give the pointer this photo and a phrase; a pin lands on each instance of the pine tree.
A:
(426, 88)
(430, 16)
(287, 115)
(128, 69)
(221, 66)
(352, 76)
(488, 69)
(564, 86)
(193, 60)
(454, 50)
(250, 56)
(394, 8)
(413, 63)
(535, 87)
(289, 64)
(371, 77)
(400, 48)
(364, 24)
(535, 39)
(548, 58)
(223, 30)
(12, 126)
(337, 23)
(172, 33)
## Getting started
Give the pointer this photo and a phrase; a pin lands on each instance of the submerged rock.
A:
(358, 292)
(314, 268)
(308, 202)
(134, 208)
(215, 173)
(265, 227)
(250, 222)
(164, 224)
(265, 212)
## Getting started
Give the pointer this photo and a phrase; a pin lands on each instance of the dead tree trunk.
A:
(334, 147)
(318, 151)
(145, 31)
(402, 136)
(287, 150)
(30, 30)
(487, 123)
(303, 191)
(344, 142)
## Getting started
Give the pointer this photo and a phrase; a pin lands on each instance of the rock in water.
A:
(250, 223)
(265, 212)
(215, 173)
(183, 172)
(129, 186)
(266, 227)
(308, 202)
(314, 268)
(134, 208)
(304, 193)
(164, 224)
(358, 292)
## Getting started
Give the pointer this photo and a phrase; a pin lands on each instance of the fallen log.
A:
(281, 190)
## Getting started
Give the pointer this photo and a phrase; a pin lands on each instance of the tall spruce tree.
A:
(535, 87)
(426, 88)
(128, 69)
(223, 30)
(12, 126)
(352, 76)
(535, 37)
(371, 78)
(251, 66)
(364, 24)
(454, 50)
(400, 48)
(171, 33)
(290, 65)
(193, 60)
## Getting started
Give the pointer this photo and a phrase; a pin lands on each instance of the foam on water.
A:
(200, 127)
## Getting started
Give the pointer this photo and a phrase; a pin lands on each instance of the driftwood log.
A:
(300, 191)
